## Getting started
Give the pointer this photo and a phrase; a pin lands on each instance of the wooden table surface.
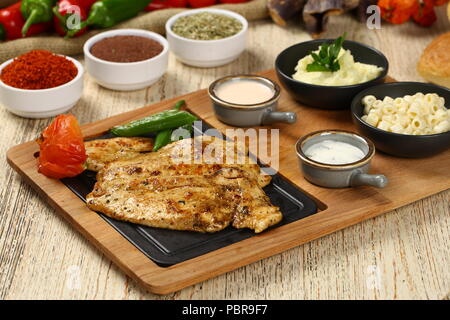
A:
(404, 254)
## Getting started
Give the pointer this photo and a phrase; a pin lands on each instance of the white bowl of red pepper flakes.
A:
(40, 84)
(207, 37)
(126, 59)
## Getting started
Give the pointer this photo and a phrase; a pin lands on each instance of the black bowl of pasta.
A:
(404, 119)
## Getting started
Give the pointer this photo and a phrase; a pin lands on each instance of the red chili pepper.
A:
(87, 4)
(157, 5)
(178, 3)
(65, 9)
(233, 1)
(165, 4)
(201, 3)
(11, 23)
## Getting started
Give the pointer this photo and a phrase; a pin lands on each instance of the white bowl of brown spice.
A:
(126, 59)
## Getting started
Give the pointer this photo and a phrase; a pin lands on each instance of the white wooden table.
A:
(404, 254)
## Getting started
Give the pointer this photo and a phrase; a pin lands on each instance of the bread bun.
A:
(434, 64)
(448, 11)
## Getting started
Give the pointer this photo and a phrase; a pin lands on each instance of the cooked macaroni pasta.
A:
(419, 114)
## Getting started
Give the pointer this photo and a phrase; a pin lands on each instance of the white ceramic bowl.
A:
(207, 53)
(126, 76)
(42, 103)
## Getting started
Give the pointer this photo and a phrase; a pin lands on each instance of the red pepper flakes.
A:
(38, 69)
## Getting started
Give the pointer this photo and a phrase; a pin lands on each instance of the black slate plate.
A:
(168, 247)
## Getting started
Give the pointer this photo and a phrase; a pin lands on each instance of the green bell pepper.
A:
(165, 137)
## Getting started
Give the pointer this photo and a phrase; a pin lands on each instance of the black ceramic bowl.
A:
(327, 97)
(401, 145)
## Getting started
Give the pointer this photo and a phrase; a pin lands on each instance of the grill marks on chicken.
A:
(103, 151)
(155, 189)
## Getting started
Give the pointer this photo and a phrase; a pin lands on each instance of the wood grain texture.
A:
(401, 255)
(340, 208)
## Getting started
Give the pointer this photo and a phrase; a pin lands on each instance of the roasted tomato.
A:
(425, 16)
(398, 11)
(62, 153)
(439, 2)
(201, 3)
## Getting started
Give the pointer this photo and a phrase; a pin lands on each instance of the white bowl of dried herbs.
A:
(207, 37)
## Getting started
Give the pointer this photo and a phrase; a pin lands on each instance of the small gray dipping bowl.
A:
(339, 175)
(248, 115)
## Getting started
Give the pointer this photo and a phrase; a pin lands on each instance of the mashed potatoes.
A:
(350, 72)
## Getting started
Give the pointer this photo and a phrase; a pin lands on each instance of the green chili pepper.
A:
(169, 119)
(164, 137)
(179, 104)
(36, 11)
(187, 127)
(107, 13)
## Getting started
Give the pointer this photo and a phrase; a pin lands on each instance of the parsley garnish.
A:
(327, 59)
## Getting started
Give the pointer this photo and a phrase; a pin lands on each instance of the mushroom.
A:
(316, 13)
(282, 10)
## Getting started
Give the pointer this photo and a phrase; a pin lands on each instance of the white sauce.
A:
(244, 92)
(334, 152)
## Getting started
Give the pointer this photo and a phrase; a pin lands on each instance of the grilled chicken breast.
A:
(103, 151)
(185, 186)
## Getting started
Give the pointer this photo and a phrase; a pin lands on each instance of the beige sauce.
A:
(244, 92)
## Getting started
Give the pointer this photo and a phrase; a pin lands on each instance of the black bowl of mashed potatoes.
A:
(361, 67)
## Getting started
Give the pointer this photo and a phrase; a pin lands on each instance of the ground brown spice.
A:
(126, 49)
(38, 69)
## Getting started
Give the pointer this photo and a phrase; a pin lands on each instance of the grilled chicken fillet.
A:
(103, 151)
(161, 189)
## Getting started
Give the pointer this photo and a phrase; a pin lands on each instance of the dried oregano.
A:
(206, 26)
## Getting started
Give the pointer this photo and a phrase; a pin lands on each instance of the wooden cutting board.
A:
(409, 180)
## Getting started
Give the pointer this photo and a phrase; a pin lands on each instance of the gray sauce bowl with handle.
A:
(341, 175)
(248, 115)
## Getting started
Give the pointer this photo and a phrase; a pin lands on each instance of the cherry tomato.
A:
(233, 1)
(62, 153)
(201, 3)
